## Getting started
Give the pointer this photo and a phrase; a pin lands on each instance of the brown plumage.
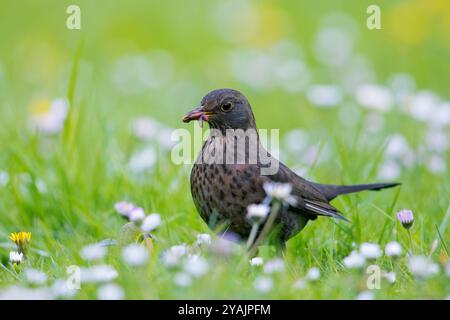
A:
(224, 191)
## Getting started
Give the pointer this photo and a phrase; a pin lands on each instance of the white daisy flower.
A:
(151, 222)
(173, 255)
(93, 252)
(393, 249)
(354, 260)
(313, 274)
(35, 276)
(370, 250)
(135, 255)
(61, 289)
(257, 212)
(324, 95)
(196, 265)
(256, 261)
(422, 267)
(203, 239)
(182, 279)
(15, 257)
(124, 208)
(280, 191)
(137, 214)
(273, 266)
(391, 277)
(98, 273)
(48, 116)
(366, 295)
(263, 284)
(374, 97)
(110, 291)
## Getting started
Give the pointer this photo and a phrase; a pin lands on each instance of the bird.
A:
(223, 190)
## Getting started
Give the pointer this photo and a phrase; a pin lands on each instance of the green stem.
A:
(410, 242)
(252, 236)
(276, 205)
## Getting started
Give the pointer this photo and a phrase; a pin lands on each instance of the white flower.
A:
(257, 261)
(145, 128)
(173, 255)
(263, 284)
(365, 295)
(370, 250)
(93, 252)
(124, 208)
(374, 97)
(389, 170)
(62, 289)
(422, 267)
(151, 222)
(98, 273)
(391, 277)
(21, 293)
(15, 257)
(203, 239)
(4, 178)
(274, 265)
(135, 255)
(280, 191)
(313, 274)
(182, 279)
(300, 284)
(136, 214)
(196, 265)
(354, 260)
(143, 160)
(110, 291)
(257, 211)
(48, 116)
(324, 95)
(35, 276)
(393, 249)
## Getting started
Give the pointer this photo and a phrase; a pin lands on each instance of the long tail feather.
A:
(332, 191)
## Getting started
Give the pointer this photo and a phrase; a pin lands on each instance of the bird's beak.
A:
(197, 114)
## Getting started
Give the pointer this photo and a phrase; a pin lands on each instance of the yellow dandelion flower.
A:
(21, 239)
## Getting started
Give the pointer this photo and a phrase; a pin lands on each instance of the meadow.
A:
(86, 118)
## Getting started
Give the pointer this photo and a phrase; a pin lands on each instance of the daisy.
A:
(135, 255)
(151, 222)
(370, 250)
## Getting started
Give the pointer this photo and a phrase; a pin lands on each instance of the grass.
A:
(84, 167)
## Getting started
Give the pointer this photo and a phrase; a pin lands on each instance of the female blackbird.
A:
(228, 176)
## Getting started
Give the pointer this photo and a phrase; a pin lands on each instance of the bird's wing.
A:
(310, 200)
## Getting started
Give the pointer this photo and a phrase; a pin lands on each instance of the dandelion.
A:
(35, 276)
(110, 291)
(203, 239)
(15, 257)
(93, 252)
(313, 274)
(256, 261)
(182, 279)
(406, 218)
(280, 191)
(21, 239)
(393, 249)
(263, 284)
(98, 273)
(422, 267)
(196, 266)
(354, 260)
(151, 222)
(137, 214)
(274, 265)
(370, 250)
(135, 255)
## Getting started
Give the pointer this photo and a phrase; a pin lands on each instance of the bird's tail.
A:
(332, 191)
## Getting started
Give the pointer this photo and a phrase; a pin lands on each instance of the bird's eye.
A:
(226, 107)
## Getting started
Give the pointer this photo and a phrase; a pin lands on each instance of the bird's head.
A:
(224, 109)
